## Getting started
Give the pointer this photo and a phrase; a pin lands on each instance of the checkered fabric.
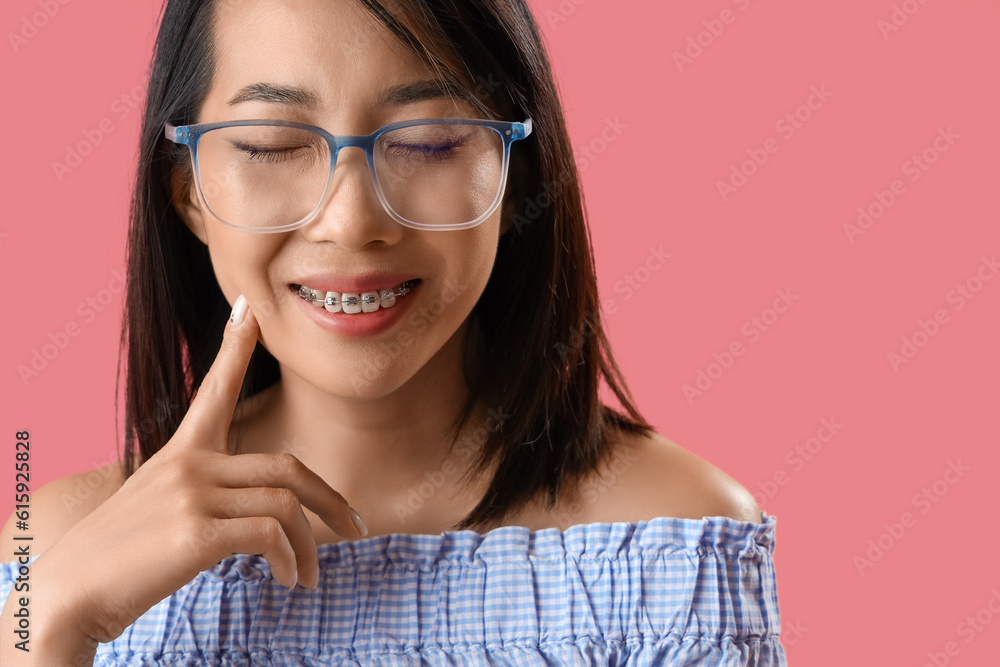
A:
(667, 591)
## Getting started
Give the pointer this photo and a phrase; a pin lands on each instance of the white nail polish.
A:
(358, 523)
(239, 311)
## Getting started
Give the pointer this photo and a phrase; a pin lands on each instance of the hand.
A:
(191, 505)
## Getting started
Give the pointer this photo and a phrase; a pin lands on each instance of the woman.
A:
(417, 439)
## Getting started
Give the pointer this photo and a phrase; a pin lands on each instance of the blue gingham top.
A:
(667, 591)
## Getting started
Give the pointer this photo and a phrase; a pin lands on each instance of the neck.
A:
(376, 452)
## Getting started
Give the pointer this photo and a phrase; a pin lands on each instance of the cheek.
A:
(473, 264)
(226, 273)
(240, 267)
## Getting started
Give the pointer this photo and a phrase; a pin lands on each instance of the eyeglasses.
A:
(274, 175)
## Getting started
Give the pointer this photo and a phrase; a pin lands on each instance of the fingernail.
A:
(358, 523)
(239, 311)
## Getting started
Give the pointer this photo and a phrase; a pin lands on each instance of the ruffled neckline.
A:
(661, 535)
(727, 538)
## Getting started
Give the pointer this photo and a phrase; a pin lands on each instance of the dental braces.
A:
(310, 295)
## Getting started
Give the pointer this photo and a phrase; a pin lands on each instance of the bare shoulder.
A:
(58, 505)
(691, 485)
(651, 477)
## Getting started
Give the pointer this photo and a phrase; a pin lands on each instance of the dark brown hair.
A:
(536, 349)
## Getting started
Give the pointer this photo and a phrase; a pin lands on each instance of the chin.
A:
(362, 382)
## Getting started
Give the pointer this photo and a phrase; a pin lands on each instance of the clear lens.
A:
(440, 174)
(260, 176)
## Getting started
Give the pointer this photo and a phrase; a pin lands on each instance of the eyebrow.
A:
(275, 94)
(409, 93)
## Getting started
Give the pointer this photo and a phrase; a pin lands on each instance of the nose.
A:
(352, 215)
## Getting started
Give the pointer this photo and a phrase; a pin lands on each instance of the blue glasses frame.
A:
(190, 136)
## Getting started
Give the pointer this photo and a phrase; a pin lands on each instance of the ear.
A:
(185, 199)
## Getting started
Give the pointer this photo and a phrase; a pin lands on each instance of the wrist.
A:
(58, 645)
(59, 634)
(45, 640)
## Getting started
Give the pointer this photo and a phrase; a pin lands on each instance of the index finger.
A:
(211, 411)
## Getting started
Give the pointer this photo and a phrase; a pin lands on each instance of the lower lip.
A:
(360, 324)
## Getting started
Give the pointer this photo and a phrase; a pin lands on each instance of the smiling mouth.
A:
(355, 302)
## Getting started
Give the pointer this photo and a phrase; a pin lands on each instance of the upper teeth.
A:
(354, 302)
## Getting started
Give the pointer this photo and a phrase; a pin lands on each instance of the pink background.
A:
(683, 128)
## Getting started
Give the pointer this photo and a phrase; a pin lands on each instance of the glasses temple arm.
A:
(170, 132)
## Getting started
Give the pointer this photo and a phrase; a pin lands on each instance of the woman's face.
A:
(337, 51)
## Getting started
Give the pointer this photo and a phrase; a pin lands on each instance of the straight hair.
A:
(536, 350)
